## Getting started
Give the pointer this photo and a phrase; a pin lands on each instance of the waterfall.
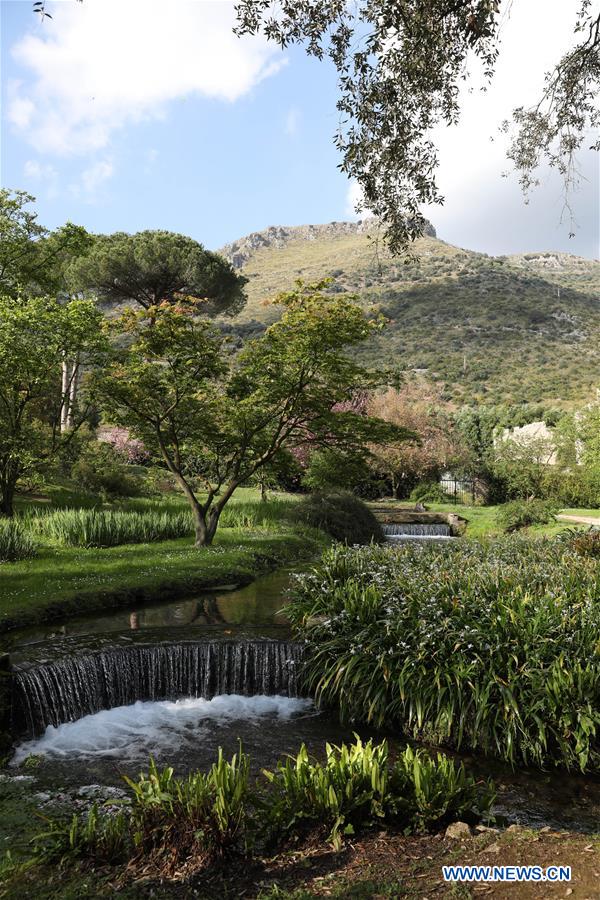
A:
(67, 689)
(413, 531)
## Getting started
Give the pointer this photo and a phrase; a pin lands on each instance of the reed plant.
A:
(491, 647)
(109, 528)
(15, 541)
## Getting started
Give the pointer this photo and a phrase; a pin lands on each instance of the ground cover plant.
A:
(522, 513)
(488, 646)
(173, 826)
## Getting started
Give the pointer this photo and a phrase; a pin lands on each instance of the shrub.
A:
(109, 528)
(341, 515)
(170, 822)
(100, 469)
(492, 647)
(585, 543)
(523, 513)
(195, 818)
(15, 542)
(174, 825)
(429, 491)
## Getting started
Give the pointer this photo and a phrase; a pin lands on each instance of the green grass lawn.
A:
(76, 580)
(593, 513)
(483, 520)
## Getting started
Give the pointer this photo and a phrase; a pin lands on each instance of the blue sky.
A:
(122, 115)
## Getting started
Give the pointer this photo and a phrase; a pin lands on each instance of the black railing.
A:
(461, 490)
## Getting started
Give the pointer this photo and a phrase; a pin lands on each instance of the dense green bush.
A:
(523, 513)
(109, 528)
(100, 469)
(492, 647)
(430, 491)
(15, 541)
(341, 515)
(585, 543)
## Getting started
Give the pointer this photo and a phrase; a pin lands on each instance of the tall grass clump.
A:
(491, 647)
(339, 514)
(15, 541)
(258, 514)
(109, 528)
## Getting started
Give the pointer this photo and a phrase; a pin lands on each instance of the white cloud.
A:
(93, 177)
(20, 109)
(292, 122)
(36, 171)
(107, 63)
(354, 202)
(473, 153)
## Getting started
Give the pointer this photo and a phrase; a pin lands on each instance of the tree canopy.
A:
(401, 64)
(36, 334)
(151, 267)
(215, 420)
(31, 257)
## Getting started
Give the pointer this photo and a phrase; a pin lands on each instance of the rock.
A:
(239, 252)
(458, 831)
(491, 848)
(514, 829)
(482, 829)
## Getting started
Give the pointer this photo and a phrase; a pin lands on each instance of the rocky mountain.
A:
(279, 236)
(522, 328)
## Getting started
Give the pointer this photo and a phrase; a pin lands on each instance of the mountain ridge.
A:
(516, 328)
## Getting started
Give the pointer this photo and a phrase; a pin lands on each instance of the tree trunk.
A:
(64, 409)
(8, 485)
(73, 395)
(263, 491)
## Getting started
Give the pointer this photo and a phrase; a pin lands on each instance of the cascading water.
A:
(67, 689)
(406, 531)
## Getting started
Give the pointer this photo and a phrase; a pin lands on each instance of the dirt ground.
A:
(379, 865)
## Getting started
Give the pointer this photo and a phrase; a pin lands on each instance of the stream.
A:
(96, 696)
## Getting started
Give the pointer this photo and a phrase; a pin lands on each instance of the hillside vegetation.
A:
(498, 329)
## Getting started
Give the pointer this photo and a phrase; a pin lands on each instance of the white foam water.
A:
(136, 731)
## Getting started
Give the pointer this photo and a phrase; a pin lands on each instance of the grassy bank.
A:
(69, 581)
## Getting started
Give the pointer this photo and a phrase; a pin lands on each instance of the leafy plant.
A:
(586, 543)
(101, 470)
(430, 491)
(492, 647)
(101, 836)
(109, 528)
(356, 786)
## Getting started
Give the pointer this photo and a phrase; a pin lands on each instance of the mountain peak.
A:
(278, 236)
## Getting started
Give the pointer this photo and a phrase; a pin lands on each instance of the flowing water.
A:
(410, 531)
(96, 696)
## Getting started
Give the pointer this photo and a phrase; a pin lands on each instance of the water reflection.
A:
(258, 604)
